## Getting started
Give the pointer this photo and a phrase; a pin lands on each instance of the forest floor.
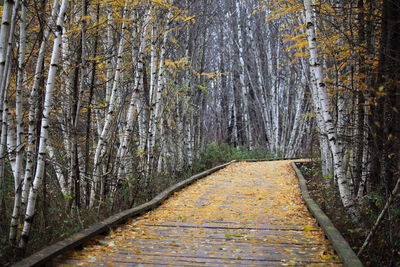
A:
(326, 195)
(245, 214)
(328, 198)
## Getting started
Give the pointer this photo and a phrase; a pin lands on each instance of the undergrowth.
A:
(54, 222)
(384, 248)
(215, 154)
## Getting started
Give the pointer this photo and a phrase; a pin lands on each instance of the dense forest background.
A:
(103, 103)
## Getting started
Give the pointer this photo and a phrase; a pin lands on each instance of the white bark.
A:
(297, 123)
(244, 90)
(44, 131)
(59, 173)
(4, 37)
(156, 95)
(318, 81)
(32, 118)
(366, 158)
(19, 150)
(134, 105)
(6, 52)
(109, 54)
(5, 68)
(190, 140)
(19, 93)
(105, 133)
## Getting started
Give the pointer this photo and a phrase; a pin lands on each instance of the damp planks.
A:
(250, 213)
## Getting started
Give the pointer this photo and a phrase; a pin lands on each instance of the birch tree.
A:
(104, 136)
(322, 95)
(19, 147)
(37, 181)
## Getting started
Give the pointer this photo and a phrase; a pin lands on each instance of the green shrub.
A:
(215, 154)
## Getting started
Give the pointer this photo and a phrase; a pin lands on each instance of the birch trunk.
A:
(105, 133)
(32, 114)
(366, 158)
(4, 37)
(244, 90)
(63, 183)
(156, 88)
(20, 129)
(109, 54)
(134, 105)
(44, 131)
(318, 81)
(5, 68)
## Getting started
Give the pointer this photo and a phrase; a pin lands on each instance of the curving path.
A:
(246, 214)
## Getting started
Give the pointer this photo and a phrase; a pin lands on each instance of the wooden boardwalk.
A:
(246, 214)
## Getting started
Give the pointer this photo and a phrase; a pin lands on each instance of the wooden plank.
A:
(233, 227)
(49, 253)
(205, 259)
(221, 242)
(222, 248)
(197, 235)
(235, 259)
(172, 259)
(340, 245)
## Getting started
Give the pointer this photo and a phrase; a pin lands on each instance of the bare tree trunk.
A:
(244, 90)
(5, 73)
(105, 134)
(318, 81)
(44, 131)
(156, 98)
(8, 8)
(134, 105)
(20, 129)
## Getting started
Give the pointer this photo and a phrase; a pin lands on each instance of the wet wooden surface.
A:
(246, 214)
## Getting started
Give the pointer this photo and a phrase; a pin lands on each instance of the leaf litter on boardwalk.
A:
(262, 195)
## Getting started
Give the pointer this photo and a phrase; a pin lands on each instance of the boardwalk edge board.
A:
(340, 245)
(45, 255)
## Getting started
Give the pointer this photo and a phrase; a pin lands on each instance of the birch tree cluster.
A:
(95, 100)
(354, 61)
(259, 97)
